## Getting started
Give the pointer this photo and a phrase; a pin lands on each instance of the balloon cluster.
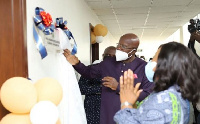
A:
(99, 32)
(31, 103)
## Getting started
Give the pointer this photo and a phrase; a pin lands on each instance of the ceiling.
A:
(151, 20)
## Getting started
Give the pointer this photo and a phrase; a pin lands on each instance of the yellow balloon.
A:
(105, 31)
(18, 95)
(93, 38)
(16, 119)
(49, 89)
(100, 30)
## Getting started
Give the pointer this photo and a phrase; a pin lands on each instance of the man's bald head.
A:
(128, 43)
(130, 39)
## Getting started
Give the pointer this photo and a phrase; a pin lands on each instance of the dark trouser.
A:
(196, 115)
(198, 119)
(191, 46)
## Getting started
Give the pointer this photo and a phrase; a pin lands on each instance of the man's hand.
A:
(73, 60)
(110, 82)
(128, 92)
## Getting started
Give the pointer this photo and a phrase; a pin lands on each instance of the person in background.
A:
(192, 26)
(91, 88)
(110, 70)
(195, 36)
(176, 83)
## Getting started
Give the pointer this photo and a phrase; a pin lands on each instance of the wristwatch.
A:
(126, 103)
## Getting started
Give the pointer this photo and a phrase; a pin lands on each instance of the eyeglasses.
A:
(123, 46)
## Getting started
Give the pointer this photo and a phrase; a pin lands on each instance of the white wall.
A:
(148, 49)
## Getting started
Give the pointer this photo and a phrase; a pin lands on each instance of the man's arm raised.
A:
(85, 71)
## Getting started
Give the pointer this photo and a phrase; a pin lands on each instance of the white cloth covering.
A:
(55, 65)
(71, 107)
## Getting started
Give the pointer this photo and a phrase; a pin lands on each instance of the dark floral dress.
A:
(91, 88)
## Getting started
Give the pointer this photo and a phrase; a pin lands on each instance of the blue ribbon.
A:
(63, 26)
(40, 47)
(46, 30)
(69, 34)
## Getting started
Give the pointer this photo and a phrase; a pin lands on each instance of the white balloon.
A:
(99, 39)
(44, 112)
